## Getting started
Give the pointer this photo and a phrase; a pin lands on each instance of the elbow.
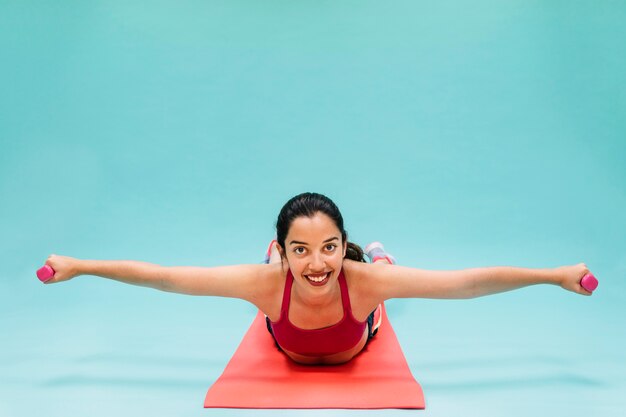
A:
(470, 284)
(163, 280)
(466, 292)
(462, 288)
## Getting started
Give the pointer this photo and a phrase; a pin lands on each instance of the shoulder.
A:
(366, 286)
(354, 269)
(270, 278)
(268, 286)
(380, 281)
(362, 279)
(364, 272)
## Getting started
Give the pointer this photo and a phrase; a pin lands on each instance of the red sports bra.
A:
(337, 338)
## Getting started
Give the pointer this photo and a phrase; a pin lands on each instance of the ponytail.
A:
(354, 252)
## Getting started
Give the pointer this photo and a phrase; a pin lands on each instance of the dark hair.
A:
(308, 204)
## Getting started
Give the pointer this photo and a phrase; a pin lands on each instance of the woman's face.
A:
(314, 252)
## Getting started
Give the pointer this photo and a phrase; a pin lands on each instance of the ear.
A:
(280, 250)
(345, 248)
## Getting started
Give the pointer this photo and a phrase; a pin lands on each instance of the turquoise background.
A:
(461, 134)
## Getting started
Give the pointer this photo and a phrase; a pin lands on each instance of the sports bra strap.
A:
(284, 308)
(339, 337)
(345, 297)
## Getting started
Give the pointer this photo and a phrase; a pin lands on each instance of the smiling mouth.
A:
(318, 279)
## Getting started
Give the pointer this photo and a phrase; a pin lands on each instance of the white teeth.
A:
(317, 279)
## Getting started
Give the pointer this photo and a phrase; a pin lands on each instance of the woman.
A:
(321, 300)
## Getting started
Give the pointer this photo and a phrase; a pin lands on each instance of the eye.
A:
(331, 247)
(299, 250)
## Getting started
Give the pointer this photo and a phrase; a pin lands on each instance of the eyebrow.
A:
(304, 243)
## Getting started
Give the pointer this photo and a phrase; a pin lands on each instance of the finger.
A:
(52, 280)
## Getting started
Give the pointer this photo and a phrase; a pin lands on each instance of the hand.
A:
(65, 268)
(569, 278)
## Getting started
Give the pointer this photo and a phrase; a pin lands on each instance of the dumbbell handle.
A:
(589, 282)
(45, 273)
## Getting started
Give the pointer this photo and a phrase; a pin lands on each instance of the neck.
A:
(316, 300)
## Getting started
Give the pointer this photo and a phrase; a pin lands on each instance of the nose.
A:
(317, 263)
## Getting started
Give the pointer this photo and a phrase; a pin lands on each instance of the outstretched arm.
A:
(237, 281)
(392, 281)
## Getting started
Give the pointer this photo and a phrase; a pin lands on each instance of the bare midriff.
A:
(334, 359)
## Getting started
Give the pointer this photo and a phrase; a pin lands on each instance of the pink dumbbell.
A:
(589, 282)
(45, 273)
